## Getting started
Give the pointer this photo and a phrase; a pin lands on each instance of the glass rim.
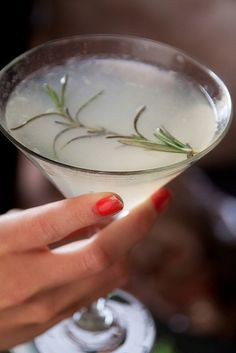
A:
(129, 38)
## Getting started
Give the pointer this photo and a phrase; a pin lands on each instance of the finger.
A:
(50, 304)
(83, 233)
(47, 305)
(14, 210)
(78, 235)
(107, 246)
(15, 334)
(128, 231)
(50, 223)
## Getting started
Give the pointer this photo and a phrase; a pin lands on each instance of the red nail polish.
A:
(109, 205)
(160, 199)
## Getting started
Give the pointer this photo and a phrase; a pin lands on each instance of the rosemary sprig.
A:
(59, 101)
(163, 140)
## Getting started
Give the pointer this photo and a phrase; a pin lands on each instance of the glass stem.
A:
(96, 317)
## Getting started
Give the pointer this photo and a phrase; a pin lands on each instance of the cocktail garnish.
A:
(163, 140)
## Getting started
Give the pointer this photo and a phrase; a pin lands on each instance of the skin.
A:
(42, 286)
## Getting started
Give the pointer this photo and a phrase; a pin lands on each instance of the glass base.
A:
(133, 330)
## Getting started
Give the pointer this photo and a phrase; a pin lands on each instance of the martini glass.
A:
(202, 118)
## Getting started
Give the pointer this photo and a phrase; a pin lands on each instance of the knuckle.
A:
(96, 259)
(46, 230)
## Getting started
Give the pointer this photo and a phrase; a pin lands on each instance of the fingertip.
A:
(109, 205)
(160, 199)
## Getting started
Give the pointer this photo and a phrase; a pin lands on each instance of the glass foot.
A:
(97, 341)
(132, 330)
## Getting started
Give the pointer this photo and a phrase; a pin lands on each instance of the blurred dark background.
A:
(186, 271)
(15, 29)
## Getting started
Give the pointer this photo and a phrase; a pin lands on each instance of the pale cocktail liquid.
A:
(171, 100)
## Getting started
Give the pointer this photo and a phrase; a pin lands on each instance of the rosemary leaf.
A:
(61, 123)
(120, 137)
(167, 142)
(166, 138)
(53, 95)
(136, 119)
(95, 130)
(62, 132)
(68, 115)
(153, 146)
(35, 118)
(80, 138)
(164, 132)
(85, 104)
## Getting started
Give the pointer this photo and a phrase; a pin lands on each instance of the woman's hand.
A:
(40, 286)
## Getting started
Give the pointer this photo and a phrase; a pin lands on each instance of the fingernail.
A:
(160, 199)
(109, 205)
